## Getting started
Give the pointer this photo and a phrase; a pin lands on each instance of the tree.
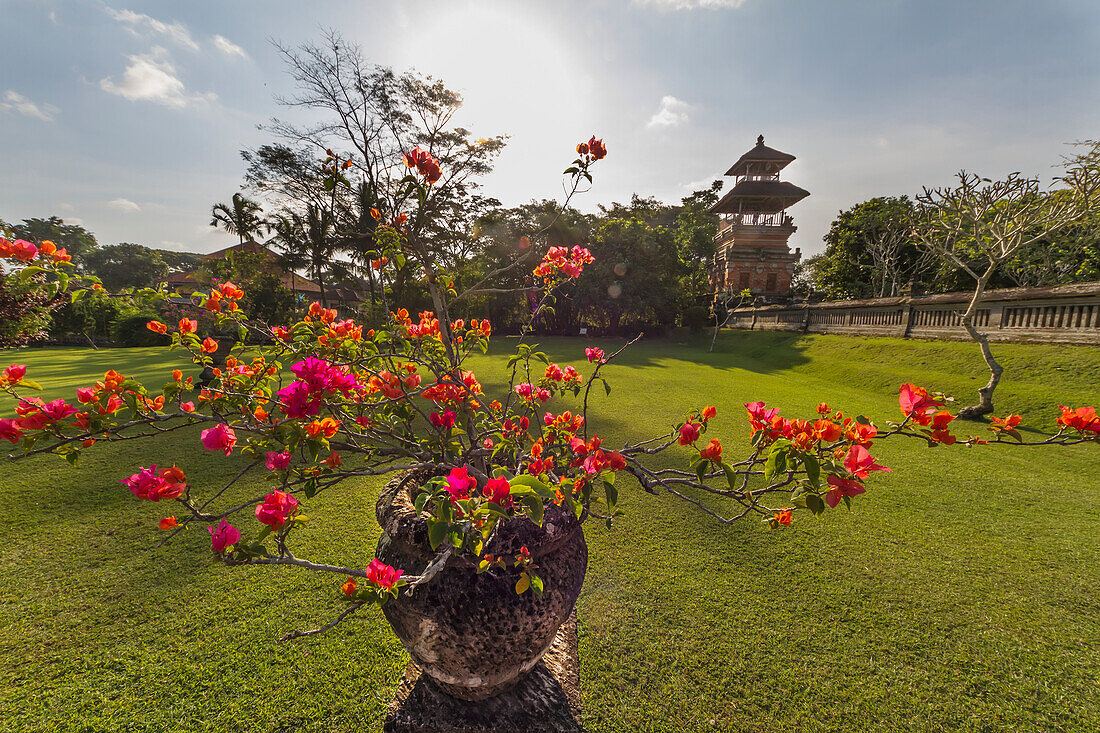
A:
(695, 231)
(241, 217)
(309, 238)
(370, 116)
(869, 251)
(981, 224)
(75, 239)
(126, 265)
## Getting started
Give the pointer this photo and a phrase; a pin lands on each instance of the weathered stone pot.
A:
(472, 634)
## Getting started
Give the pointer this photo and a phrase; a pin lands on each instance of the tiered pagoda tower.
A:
(754, 227)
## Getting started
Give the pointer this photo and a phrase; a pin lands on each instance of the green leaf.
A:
(30, 383)
(813, 470)
(536, 583)
(814, 503)
(523, 584)
(310, 489)
(72, 457)
(862, 420)
(437, 532)
(606, 387)
(731, 477)
(776, 461)
(78, 294)
(534, 508)
(701, 468)
(612, 495)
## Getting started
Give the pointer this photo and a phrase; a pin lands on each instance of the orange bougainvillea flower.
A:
(709, 412)
(1081, 419)
(209, 345)
(783, 516)
(177, 375)
(168, 523)
(327, 427)
(713, 451)
(156, 327)
(348, 587)
(823, 409)
(375, 214)
(188, 325)
(333, 460)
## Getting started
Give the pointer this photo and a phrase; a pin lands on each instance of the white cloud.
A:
(670, 113)
(15, 102)
(173, 246)
(692, 4)
(151, 77)
(124, 205)
(133, 21)
(73, 220)
(229, 48)
(64, 206)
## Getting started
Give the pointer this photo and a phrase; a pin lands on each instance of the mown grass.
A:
(962, 592)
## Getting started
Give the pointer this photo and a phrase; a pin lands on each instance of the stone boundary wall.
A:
(1065, 314)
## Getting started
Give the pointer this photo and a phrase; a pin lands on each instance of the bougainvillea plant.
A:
(329, 399)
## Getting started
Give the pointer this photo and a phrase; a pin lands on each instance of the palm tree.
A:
(241, 218)
(310, 239)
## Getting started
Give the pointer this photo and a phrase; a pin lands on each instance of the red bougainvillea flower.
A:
(156, 327)
(168, 523)
(446, 420)
(1008, 425)
(713, 451)
(842, 487)
(14, 374)
(689, 433)
(278, 506)
(823, 409)
(188, 406)
(941, 420)
(596, 148)
(150, 484)
(497, 490)
(709, 412)
(226, 535)
(594, 354)
(10, 431)
(383, 575)
(209, 345)
(188, 325)
(277, 460)
(459, 482)
(783, 516)
(219, 438)
(1082, 419)
(860, 463)
(348, 587)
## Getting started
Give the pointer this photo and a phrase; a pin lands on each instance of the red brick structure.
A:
(754, 227)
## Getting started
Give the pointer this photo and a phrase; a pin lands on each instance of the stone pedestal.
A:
(547, 701)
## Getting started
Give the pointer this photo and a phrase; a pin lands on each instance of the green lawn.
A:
(961, 593)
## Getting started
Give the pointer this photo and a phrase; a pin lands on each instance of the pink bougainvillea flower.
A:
(219, 438)
(860, 463)
(277, 461)
(382, 574)
(459, 482)
(594, 354)
(226, 535)
(84, 395)
(689, 433)
(497, 490)
(188, 406)
(760, 413)
(916, 401)
(842, 487)
(148, 483)
(525, 390)
(23, 250)
(277, 507)
(10, 431)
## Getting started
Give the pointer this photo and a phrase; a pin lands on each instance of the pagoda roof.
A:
(759, 196)
(775, 159)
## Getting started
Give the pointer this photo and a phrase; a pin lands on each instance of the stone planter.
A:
(472, 634)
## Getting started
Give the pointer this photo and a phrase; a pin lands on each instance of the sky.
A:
(128, 117)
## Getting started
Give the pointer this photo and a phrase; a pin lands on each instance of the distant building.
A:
(337, 295)
(754, 226)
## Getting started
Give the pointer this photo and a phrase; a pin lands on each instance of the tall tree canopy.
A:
(126, 265)
(76, 240)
